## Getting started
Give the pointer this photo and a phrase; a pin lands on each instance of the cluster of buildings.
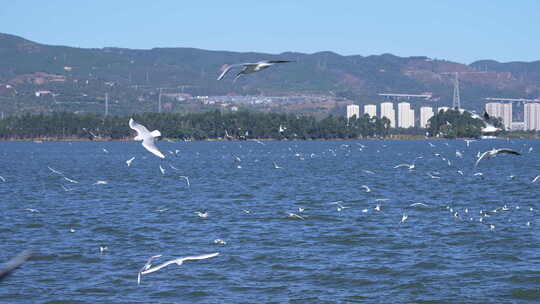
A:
(531, 115)
(403, 118)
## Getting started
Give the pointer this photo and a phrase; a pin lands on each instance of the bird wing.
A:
(199, 257)
(277, 61)
(508, 151)
(142, 131)
(402, 165)
(158, 267)
(482, 156)
(228, 68)
(148, 143)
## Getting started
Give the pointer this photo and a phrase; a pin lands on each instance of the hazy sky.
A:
(462, 31)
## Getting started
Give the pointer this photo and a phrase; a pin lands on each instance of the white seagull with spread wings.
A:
(146, 136)
(149, 269)
(249, 68)
(493, 153)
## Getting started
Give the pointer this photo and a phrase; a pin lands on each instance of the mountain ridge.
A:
(356, 77)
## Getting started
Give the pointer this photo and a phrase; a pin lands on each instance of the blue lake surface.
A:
(442, 253)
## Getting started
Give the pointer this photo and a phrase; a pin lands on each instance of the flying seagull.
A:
(249, 68)
(149, 269)
(493, 153)
(146, 136)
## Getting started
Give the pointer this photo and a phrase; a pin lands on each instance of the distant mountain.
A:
(356, 77)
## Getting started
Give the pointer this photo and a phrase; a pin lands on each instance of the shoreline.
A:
(395, 137)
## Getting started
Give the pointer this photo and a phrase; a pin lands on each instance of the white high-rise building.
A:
(387, 110)
(425, 114)
(353, 110)
(531, 116)
(371, 110)
(405, 115)
(502, 111)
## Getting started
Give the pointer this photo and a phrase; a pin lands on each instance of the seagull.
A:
(149, 269)
(146, 267)
(128, 162)
(366, 188)
(105, 150)
(459, 154)
(220, 242)
(187, 180)
(276, 166)
(103, 249)
(535, 179)
(147, 137)
(161, 169)
(377, 208)
(411, 166)
(404, 218)
(55, 171)
(66, 188)
(432, 176)
(295, 215)
(339, 205)
(493, 153)
(71, 180)
(282, 129)
(468, 141)
(202, 214)
(249, 68)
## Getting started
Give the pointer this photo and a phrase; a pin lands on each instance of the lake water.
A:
(356, 254)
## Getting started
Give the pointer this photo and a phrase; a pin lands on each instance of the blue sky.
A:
(462, 31)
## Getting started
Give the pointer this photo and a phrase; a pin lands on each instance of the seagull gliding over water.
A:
(146, 136)
(149, 269)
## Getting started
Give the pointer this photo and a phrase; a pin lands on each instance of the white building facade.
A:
(502, 111)
(531, 116)
(353, 110)
(387, 110)
(405, 115)
(371, 110)
(425, 114)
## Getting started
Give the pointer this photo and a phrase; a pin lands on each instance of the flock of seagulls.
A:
(148, 138)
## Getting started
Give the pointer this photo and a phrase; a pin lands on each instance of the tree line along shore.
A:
(242, 125)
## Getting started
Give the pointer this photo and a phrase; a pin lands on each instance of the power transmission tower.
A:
(456, 104)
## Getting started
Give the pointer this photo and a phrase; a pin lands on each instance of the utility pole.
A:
(159, 100)
(106, 104)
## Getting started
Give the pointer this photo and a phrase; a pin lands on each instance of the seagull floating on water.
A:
(202, 214)
(249, 68)
(146, 136)
(129, 161)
